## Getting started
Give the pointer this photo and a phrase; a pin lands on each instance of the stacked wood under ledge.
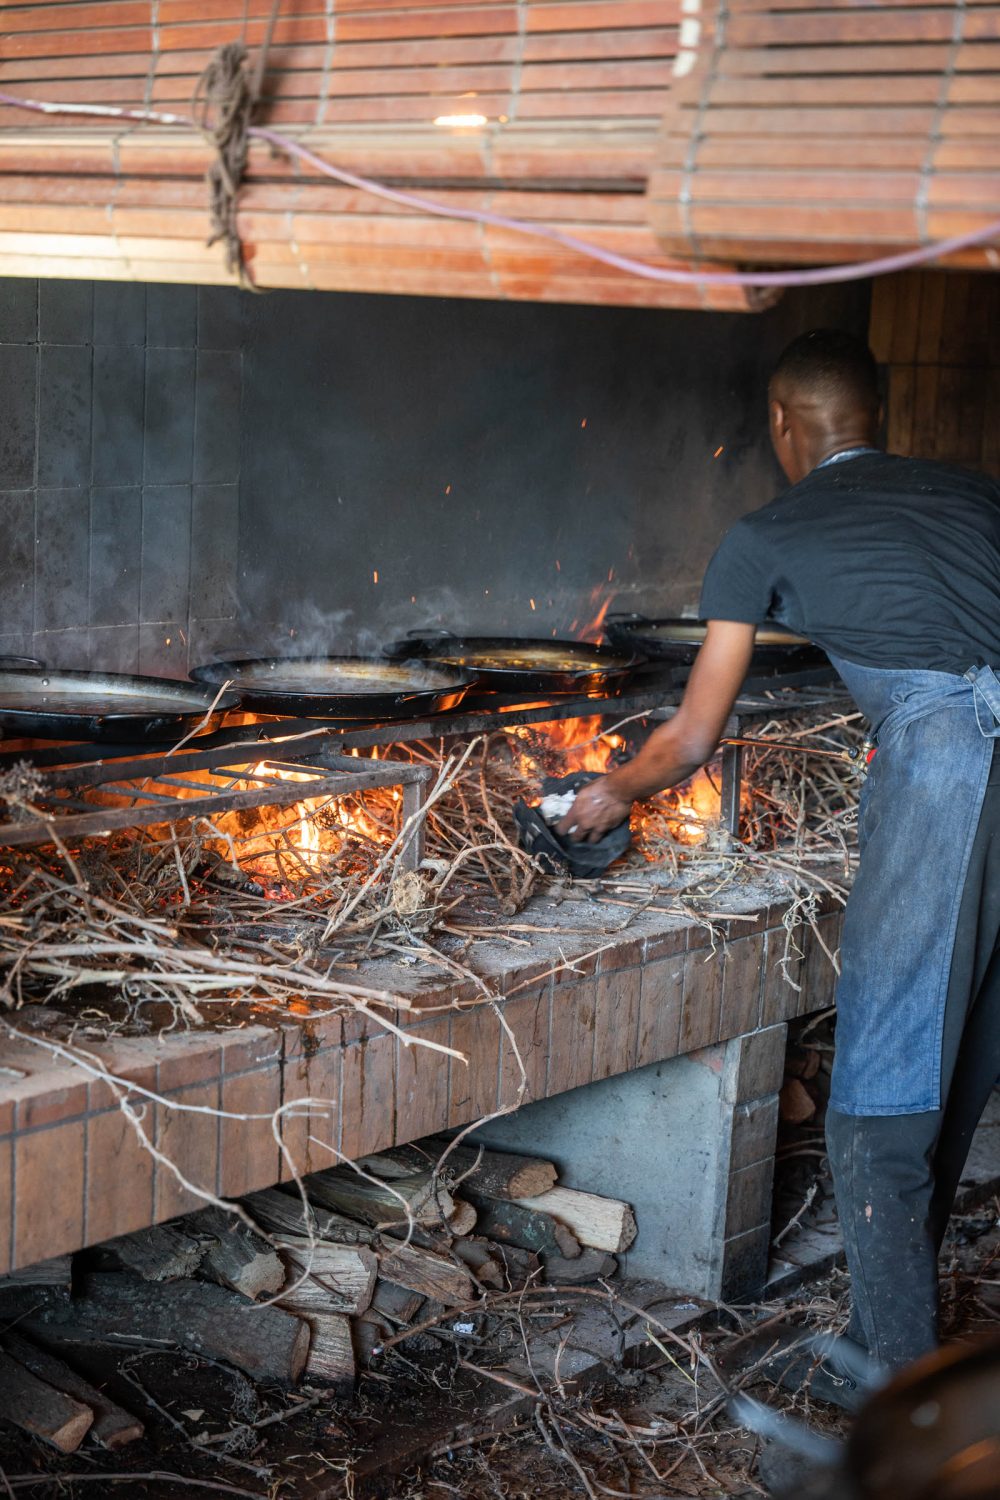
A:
(338, 1266)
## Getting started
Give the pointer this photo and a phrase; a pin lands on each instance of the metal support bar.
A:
(732, 787)
(414, 796)
(234, 749)
(103, 820)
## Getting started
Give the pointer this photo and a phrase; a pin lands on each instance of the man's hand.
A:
(676, 749)
(595, 811)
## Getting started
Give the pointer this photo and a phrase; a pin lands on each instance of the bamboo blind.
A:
(819, 131)
(573, 92)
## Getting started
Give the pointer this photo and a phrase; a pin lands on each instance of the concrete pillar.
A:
(689, 1143)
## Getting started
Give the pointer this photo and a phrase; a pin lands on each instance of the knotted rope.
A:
(224, 101)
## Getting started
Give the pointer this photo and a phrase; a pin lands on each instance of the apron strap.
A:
(986, 691)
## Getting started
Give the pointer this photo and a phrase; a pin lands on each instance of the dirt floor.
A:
(662, 1430)
(665, 1432)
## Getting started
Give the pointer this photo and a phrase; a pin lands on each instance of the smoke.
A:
(275, 622)
(306, 629)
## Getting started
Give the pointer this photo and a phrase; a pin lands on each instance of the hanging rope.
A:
(223, 105)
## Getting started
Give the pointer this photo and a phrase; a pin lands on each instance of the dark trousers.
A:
(896, 1176)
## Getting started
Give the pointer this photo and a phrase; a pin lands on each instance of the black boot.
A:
(802, 1372)
(828, 1368)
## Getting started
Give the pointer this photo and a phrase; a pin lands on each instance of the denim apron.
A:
(917, 820)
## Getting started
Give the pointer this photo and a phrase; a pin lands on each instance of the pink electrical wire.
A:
(820, 276)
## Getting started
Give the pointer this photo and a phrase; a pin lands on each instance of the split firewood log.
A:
(402, 1161)
(331, 1350)
(235, 1256)
(56, 1272)
(796, 1105)
(463, 1220)
(369, 1333)
(397, 1303)
(517, 1267)
(163, 1252)
(40, 1409)
(477, 1254)
(338, 1278)
(113, 1427)
(589, 1265)
(265, 1342)
(601, 1223)
(436, 1238)
(500, 1174)
(425, 1272)
(422, 1198)
(523, 1224)
(281, 1213)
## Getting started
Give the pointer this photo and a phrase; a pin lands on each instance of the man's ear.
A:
(778, 416)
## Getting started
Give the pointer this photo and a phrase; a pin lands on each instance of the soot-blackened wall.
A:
(477, 457)
(119, 471)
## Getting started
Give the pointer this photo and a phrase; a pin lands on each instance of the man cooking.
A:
(892, 565)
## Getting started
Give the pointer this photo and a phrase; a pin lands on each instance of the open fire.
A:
(175, 905)
(325, 837)
(284, 848)
(569, 745)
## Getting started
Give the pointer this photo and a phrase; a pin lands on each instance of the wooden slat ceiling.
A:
(817, 132)
(788, 132)
(573, 91)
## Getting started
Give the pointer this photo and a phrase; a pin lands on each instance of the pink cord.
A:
(820, 276)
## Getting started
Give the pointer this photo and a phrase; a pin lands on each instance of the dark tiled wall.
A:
(119, 472)
(499, 466)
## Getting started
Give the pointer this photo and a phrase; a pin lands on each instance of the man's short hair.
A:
(830, 365)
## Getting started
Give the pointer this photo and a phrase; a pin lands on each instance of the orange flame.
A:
(592, 630)
(305, 837)
(298, 840)
(692, 808)
(575, 744)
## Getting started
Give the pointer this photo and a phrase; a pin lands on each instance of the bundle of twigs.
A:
(161, 916)
(804, 802)
(203, 914)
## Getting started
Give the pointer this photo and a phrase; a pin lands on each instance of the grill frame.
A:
(307, 745)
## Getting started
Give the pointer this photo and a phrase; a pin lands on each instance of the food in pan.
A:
(335, 675)
(551, 661)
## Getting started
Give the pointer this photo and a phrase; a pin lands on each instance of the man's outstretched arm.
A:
(676, 749)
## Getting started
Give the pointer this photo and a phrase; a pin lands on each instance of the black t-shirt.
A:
(888, 562)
